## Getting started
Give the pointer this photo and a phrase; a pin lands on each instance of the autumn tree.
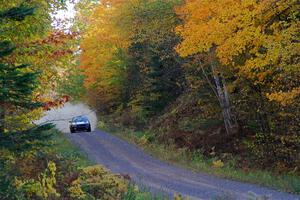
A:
(255, 45)
(130, 60)
(257, 40)
(190, 66)
(38, 45)
(100, 60)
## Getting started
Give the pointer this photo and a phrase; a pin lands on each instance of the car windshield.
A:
(80, 119)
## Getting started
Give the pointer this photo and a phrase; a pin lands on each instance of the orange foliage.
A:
(56, 103)
(101, 43)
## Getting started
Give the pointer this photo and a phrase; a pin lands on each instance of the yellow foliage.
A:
(44, 187)
(136, 188)
(179, 197)
(284, 98)
(97, 181)
(75, 190)
(217, 164)
(143, 140)
(101, 40)
(248, 36)
(23, 120)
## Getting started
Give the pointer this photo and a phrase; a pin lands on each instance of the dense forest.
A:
(218, 76)
(36, 161)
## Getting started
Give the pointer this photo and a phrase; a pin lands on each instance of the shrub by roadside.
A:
(55, 170)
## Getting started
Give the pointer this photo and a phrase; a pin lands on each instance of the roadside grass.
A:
(195, 161)
(61, 145)
(134, 193)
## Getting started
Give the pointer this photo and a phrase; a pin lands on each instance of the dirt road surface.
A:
(122, 157)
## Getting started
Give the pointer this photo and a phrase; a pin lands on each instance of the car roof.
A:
(80, 118)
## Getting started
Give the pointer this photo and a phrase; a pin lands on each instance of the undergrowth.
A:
(57, 169)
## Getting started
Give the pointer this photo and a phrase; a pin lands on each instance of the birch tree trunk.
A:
(223, 96)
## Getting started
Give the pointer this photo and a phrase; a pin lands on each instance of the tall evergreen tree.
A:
(16, 83)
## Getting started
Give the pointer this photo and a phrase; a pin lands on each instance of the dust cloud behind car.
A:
(61, 116)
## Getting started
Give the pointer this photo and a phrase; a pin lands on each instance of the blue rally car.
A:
(80, 123)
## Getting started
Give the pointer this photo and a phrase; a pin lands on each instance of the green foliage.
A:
(72, 84)
(7, 188)
(17, 13)
(26, 20)
(32, 55)
(159, 82)
(152, 52)
(134, 193)
(16, 83)
(27, 140)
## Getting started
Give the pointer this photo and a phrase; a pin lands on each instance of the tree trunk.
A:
(233, 119)
(223, 97)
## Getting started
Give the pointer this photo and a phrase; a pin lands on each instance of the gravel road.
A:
(122, 157)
